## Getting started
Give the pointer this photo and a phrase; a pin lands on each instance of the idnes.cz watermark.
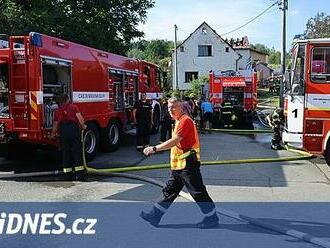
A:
(45, 224)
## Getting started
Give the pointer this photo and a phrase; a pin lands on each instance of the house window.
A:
(190, 75)
(182, 49)
(227, 49)
(204, 31)
(204, 50)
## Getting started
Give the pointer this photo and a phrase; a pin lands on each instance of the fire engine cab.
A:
(307, 100)
(105, 86)
(239, 88)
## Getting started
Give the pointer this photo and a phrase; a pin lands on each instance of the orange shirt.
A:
(185, 128)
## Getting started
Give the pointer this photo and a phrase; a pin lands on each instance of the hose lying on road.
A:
(303, 156)
(30, 174)
(242, 131)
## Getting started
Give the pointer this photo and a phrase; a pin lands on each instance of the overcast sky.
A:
(226, 15)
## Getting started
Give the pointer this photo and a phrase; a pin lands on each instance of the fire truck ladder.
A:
(18, 76)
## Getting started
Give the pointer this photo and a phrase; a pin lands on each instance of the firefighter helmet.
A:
(276, 117)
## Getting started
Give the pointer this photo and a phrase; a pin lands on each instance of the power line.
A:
(254, 18)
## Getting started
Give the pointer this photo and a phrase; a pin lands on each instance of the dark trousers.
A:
(143, 133)
(277, 134)
(166, 128)
(70, 142)
(192, 179)
(226, 119)
(208, 116)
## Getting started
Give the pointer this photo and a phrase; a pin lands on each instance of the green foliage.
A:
(274, 57)
(195, 90)
(318, 26)
(260, 48)
(105, 24)
(152, 51)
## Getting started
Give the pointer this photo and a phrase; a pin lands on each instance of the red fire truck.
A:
(239, 88)
(105, 86)
(307, 100)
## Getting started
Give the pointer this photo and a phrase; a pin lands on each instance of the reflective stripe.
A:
(248, 95)
(160, 208)
(184, 155)
(210, 213)
(79, 168)
(67, 170)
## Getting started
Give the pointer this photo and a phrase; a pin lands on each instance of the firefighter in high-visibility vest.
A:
(276, 122)
(68, 122)
(185, 171)
(227, 113)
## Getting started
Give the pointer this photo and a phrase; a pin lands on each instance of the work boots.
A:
(209, 222)
(153, 217)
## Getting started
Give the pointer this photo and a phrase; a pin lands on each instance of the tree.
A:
(196, 87)
(260, 48)
(274, 57)
(152, 51)
(318, 26)
(104, 24)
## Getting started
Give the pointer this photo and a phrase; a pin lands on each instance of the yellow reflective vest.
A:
(178, 156)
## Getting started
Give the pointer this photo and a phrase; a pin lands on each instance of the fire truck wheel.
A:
(91, 141)
(111, 136)
(327, 153)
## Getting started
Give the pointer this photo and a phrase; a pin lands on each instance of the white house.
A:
(202, 51)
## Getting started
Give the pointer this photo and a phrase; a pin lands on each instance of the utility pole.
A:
(175, 86)
(283, 7)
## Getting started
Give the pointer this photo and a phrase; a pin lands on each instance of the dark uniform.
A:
(276, 121)
(70, 138)
(166, 124)
(143, 122)
(198, 116)
(227, 113)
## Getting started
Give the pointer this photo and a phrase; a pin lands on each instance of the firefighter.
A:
(227, 113)
(68, 122)
(166, 123)
(185, 169)
(207, 112)
(198, 117)
(276, 121)
(142, 116)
